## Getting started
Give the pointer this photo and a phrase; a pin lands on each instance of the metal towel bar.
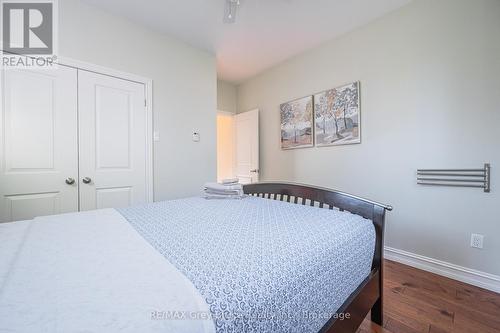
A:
(477, 178)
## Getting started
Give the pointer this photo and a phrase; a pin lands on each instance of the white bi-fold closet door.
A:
(70, 140)
(113, 141)
(38, 143)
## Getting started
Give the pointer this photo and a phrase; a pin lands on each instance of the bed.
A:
(288, 257)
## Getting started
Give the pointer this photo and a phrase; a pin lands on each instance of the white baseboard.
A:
(463, 274)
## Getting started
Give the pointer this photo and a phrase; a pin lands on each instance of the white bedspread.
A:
(90, 272)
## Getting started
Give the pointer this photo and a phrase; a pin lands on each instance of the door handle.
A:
(86, 180)
(255, 170)
(70, 181)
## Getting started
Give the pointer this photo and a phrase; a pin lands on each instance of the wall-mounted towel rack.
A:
(478, 178)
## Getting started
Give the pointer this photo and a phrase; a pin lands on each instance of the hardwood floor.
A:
(420, 302)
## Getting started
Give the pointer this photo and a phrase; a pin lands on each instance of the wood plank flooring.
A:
(421, 302)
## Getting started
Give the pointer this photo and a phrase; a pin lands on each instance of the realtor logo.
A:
(29, 33)
(28, 27)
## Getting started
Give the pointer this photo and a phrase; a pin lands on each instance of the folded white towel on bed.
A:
(225, 196)
(221, 191)
(223, 188)
(230, 181)
(228, 192)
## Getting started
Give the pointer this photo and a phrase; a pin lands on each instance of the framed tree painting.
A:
(297, 123)
(337, 116)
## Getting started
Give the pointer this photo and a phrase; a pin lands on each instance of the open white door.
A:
(247, 146)
(38, 143)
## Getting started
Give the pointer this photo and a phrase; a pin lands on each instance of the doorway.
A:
(238, 146)
(225, 145)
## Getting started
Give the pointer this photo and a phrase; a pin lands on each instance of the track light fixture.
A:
(230, 10)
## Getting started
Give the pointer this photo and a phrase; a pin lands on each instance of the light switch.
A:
(196, 137)
(156, 136)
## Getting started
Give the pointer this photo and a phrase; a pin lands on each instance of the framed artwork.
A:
(297, 123)
(337, 116)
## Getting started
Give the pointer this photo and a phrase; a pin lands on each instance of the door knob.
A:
(70, 181)
(86, 180)
(255, 170)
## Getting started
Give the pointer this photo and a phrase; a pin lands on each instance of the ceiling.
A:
(266, 32)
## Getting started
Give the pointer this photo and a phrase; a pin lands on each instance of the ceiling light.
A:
(230, 10)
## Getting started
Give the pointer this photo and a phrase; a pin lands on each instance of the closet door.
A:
(112, 145)
(38, 143)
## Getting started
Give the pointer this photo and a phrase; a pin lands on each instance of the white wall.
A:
(226, 96)
(430, 93)
(184, 89)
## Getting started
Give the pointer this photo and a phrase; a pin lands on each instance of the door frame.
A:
(148, 93)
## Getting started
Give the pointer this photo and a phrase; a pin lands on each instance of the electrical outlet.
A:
(476, 241)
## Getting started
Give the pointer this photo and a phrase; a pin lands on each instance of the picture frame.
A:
(337, 116)
(297, 123)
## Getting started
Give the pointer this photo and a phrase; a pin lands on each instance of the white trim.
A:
(148, 86)
(226, 113)
(90, 67)
(456, 272)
